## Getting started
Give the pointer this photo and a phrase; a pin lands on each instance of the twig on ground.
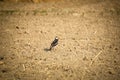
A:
(95, 58)
(23, 67)
(84, 72)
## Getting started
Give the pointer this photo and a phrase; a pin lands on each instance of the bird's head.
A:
(56, 37)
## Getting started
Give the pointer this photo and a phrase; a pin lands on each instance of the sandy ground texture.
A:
(89, 40)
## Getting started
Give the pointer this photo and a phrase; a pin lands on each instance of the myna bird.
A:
(54, 43)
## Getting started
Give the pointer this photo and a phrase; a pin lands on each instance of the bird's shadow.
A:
(46, 49)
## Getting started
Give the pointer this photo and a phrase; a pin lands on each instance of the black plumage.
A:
(54, 43)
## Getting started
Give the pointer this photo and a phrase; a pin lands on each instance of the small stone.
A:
(25, 32)
(70, 50)
(73, 38)
(66, 68)
(53, 25)
(109, 72)
(44, 59)
(1, 58)
(115, 61)
(76, 14)
(3, 71)
(110, 46)
(41, 31)
(63, 44)
(74, 47)
(116, 48)
(85, 58)
(17, 27)
(1, 62)
(35, 59)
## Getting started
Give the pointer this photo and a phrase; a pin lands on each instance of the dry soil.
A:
(89, 40)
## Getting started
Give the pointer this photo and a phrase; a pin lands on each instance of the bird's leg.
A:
(50, 48)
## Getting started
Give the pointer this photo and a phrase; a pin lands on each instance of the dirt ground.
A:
(89, 40)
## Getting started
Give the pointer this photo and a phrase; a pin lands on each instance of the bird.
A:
(54, 43)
